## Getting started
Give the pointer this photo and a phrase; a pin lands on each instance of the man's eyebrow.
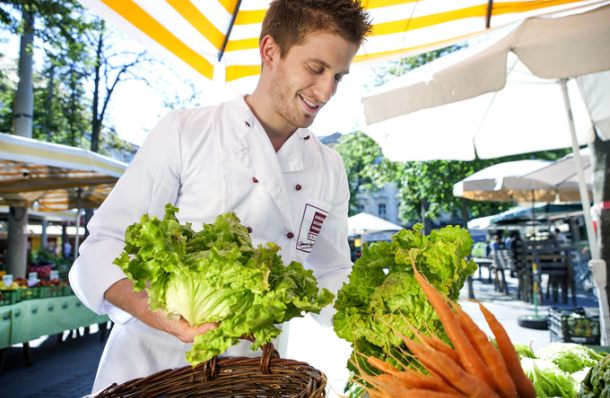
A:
(326, 65)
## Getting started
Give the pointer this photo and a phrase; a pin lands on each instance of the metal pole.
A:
(79, 192)
(597, 264)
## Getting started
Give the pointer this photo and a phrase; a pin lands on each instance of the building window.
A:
(381, 210)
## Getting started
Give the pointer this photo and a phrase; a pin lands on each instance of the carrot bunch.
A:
(473, 368)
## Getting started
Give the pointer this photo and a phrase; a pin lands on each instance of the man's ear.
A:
(269, 51)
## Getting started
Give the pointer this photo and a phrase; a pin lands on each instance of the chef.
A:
(254, 156)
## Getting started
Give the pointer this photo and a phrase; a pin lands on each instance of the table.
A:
(483, 262)
(31, 319)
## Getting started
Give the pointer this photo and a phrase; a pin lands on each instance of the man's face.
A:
(308, 76)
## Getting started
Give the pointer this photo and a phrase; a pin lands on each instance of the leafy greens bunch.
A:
(216, 275)
(382, 299)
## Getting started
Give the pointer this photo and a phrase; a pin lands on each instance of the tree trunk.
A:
(24, 100)
(95, 118)
(73, 105)
(17, 241)
(464, 213)
(601, 194)
(22, 126)
(424, 219)
(49, 102)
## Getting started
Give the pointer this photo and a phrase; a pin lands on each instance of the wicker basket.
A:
(266, 376)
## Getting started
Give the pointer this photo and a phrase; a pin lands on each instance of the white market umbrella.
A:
(480, 223)
(219, 38)
(504, 182)
(562, 175)
(484, 100)
(527, 180)
(465, 87)
(364, 223)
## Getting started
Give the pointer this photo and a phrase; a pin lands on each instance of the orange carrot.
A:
(450, 371)
(413, 378)
(383, 365)
(430, 382)
(421, 393)
(503, 382)
(507, 350)
(469, 357)
(436, 343)
(392, 389)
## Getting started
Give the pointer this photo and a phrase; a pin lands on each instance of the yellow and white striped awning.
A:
(51, 174)
(200, 32)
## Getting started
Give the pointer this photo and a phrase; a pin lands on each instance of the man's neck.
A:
(277, 131)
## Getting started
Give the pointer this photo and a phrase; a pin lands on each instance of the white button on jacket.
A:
(205, 161)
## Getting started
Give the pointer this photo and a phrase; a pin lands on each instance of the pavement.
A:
(67, 369)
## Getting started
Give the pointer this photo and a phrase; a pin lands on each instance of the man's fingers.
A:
(206, 327)
(188, 333)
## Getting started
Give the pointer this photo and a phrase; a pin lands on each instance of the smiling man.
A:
(253, 156)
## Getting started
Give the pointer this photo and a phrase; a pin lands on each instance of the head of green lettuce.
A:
(382, 300)
(217, 275)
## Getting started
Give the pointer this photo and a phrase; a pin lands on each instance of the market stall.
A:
(48, 177)
(25, 316)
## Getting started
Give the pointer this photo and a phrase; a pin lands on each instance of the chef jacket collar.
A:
(290, 155)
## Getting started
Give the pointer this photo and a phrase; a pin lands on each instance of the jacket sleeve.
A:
(150, 181)
(330, 259)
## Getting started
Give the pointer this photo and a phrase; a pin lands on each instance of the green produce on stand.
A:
(548, 379)
(597, 382)
(524, 351)
(570, 357)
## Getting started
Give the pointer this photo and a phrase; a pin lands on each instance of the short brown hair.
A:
(290, 21)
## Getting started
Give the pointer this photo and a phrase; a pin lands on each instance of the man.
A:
(253, 156)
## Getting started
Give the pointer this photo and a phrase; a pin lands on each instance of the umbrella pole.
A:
(597, 265)
(77, 236)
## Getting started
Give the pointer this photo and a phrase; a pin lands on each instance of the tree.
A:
(425, 188)
(56, 18)
(364, 164)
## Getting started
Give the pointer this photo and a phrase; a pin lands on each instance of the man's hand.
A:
(121, 295)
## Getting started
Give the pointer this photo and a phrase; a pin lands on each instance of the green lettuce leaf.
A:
(597, 382)
(548, 379)
(569, 357)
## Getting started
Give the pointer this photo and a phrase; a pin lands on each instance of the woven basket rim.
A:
(266, 375)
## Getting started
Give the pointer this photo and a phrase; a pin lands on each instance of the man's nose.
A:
(326, 88)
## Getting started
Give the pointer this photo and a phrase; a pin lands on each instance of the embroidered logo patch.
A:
(311, 225)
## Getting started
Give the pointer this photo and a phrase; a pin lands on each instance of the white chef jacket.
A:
(210, 161)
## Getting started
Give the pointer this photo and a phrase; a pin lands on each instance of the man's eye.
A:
(315, 71)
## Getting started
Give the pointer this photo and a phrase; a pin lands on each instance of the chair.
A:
(556, 263)
(502, 260)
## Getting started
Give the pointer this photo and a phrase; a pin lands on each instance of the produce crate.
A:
(574, 325)
(66, 290)
(30, 293)
(8, 297)
(55, 291)
(43, 291)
